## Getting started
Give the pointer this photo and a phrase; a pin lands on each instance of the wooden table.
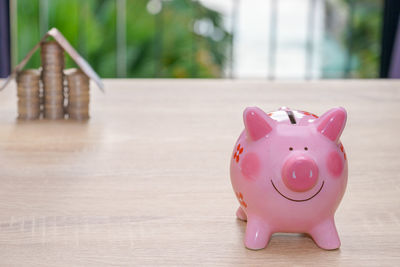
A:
(146, 180)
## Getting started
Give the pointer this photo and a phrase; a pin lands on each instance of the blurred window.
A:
(300, 39)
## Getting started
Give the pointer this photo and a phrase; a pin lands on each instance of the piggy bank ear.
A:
(331, 123)
(257, 123)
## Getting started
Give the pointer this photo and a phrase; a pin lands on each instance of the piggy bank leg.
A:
(257, 234)
(325, 235)
(241, 214)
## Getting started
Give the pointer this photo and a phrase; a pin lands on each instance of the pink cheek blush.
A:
(335, 164)
(250, 165)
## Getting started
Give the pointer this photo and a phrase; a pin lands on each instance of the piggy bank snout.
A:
(300, 173)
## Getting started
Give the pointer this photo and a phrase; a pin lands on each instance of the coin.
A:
(78, 99)
(28, 92)
(53, 115)
(78, 94)
(52, 56)
(78, 115)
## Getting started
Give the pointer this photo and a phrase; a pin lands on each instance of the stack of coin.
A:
(28, 94)
(78, 94)
(52, 56)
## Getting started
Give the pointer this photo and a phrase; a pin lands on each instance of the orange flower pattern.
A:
(241, 200)
(342, 149)
(239, 150)
(309, 114)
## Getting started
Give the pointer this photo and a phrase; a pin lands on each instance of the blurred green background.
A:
(186, 39)
(158, 42)
(352, 38)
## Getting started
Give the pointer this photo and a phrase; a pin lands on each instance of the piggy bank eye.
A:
(290, 148)
(305, 148)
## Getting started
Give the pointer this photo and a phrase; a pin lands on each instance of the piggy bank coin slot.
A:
(291, 116)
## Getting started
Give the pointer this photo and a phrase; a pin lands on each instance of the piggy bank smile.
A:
(289, 173)
(297, 200)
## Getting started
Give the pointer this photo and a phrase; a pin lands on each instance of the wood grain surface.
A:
(146, 180)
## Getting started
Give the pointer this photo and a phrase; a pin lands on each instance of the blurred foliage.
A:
(182, 39)
(353, 37)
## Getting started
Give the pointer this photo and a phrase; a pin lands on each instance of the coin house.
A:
(53, 92)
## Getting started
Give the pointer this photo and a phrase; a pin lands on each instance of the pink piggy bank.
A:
(289, 173)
